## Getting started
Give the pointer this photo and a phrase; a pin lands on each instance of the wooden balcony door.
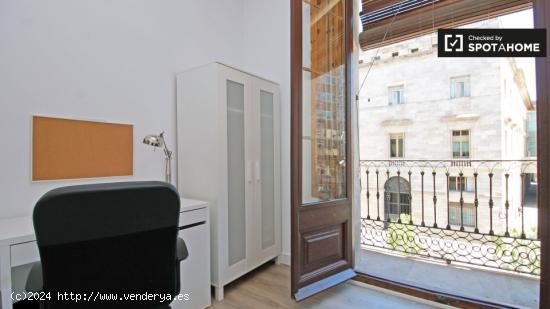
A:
(321, 97)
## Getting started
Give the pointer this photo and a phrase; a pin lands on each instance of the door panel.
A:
(325, 242)
(236, 172)
(320, 164)
(323, 248)
(235, 94)
(267, 169)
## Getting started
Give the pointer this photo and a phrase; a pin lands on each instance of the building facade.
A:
(447, 137)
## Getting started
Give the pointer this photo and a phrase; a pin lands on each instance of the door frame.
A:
(541, 12)
(296, 67)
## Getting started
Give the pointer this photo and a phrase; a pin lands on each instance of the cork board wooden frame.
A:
(73, 149)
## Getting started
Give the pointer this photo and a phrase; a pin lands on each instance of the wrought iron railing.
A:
(408, 207)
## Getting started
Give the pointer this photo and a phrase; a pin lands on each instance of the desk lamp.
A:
(157, 141)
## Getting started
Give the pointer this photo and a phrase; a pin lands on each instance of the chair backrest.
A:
(112, 238)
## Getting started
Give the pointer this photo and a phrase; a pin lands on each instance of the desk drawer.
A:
(24, 253)
(193, 216)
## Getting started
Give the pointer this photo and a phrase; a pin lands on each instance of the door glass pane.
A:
(236, 172)
(267, 169)
(323, 101)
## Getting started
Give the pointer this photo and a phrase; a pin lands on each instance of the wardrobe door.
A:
(235, 216)
(267, 211)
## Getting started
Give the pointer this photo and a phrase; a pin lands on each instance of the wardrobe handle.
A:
(249, 172)
(257, 170)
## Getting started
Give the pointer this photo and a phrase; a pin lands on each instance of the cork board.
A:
(70, 149)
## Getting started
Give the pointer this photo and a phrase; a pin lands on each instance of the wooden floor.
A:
(269, 287)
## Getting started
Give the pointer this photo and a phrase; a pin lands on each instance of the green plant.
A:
(516, 254)
(403, 237)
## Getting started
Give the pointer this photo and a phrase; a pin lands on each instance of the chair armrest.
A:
(181, 250)
(34, 280)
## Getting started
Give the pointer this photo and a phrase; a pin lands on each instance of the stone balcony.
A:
(461, 227)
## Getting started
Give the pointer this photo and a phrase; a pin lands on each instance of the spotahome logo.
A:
(491, 42)
(454, 42)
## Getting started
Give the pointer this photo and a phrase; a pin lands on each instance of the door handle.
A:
(257, 170)
(249, 172)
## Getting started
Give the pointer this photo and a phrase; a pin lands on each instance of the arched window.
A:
(396, 192)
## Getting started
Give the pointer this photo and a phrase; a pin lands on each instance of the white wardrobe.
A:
(229, 155)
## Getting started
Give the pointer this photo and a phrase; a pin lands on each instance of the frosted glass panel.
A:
(236, 172)
(267, 169)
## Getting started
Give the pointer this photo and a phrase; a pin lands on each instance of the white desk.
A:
(18, 247)
(16, 239)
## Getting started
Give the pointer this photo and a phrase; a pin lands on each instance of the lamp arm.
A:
(167, 152)
(168, 164)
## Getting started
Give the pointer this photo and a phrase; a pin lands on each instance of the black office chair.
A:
(107, 239)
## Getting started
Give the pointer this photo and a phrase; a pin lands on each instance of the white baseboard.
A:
(284, 258)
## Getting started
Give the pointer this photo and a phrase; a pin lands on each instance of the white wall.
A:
(113, 61)
(116, 61)
(267, 53)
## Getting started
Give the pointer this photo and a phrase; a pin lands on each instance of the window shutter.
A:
(419, 17)
(467, 87)
(453, 89)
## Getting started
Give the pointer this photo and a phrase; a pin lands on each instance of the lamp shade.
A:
(154, 140)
